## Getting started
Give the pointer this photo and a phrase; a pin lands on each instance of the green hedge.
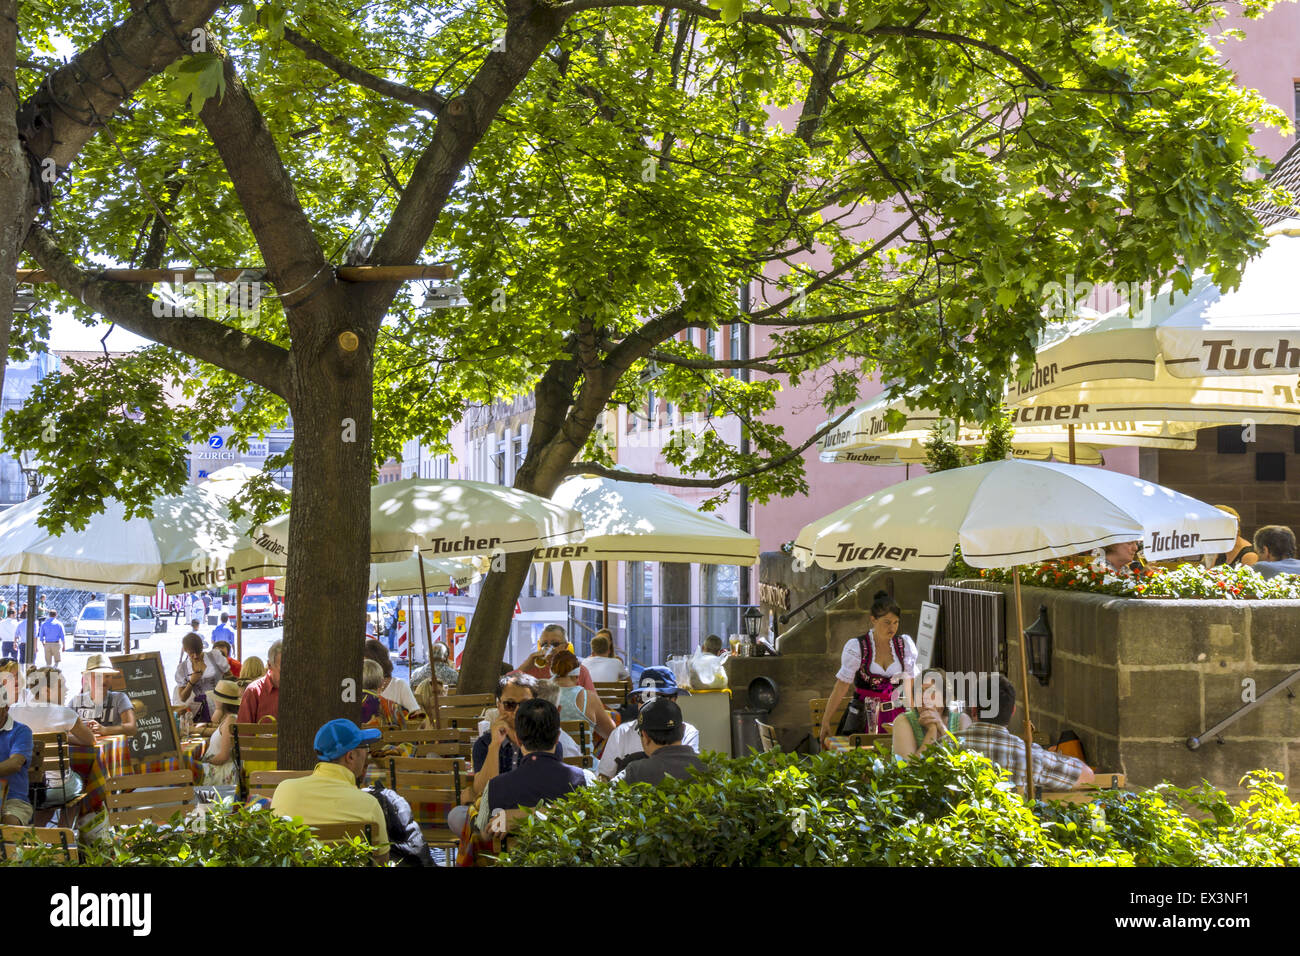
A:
(229, 835)
(947, 807)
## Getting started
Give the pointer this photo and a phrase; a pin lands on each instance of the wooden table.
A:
(841, 744)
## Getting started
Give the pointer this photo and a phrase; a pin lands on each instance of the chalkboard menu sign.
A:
(145, 684)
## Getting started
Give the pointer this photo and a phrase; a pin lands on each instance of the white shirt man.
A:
(8, 630)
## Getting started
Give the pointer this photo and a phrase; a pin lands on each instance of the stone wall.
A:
(810, 649)
(1136, 678)
(1230, 479)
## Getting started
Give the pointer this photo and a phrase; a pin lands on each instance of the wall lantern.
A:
(1038, 645)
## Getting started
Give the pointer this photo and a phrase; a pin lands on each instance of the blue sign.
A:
(216, 441)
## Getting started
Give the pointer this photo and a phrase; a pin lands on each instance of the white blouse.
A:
(851, 661)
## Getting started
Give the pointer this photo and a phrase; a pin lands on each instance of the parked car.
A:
(258, 611)
(93, 632)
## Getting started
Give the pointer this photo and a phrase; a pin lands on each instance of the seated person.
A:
(219, 767)
(15, 756)
(1276, 546)
(603, 666)
(930, 720)
(541, 774)
(1124, 558)
(331, 794)
(393, 688)
(1242, 550)
(576, 702)
(550, 643)
(661, 728)
(44, 712)
(1052, 771)
(106, 712)
(376, 709)
(548, 690)
(497, 751)
(223, 648)
(625, 742)
(250, 670)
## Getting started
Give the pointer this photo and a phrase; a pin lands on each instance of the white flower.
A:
(799, 821)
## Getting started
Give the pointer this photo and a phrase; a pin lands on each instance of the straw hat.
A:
(99, 664)
(227, 692)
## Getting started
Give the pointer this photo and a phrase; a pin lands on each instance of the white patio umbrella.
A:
(635, 521)
(445, 518)
(189, 544)
(229, 481)
(1205, 333)
(403, 577)
(1200, 358)
(914, 453)
(1008, 513)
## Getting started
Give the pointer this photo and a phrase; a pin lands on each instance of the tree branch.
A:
(420, 99)
(819, 24)
(127, 305)
(293, 257)
(531, 28)
(676, 481)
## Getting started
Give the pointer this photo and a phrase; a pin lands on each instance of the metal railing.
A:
(828, 591)
(653, 632)
(1284, 685)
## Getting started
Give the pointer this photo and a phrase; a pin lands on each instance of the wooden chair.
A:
(613, 693)
(870, 740)
(767, 736)
(429, 780)
(446, 748)
(581, 732)
(817, 709)
(50, 754)
(1087, 794)
(149, 796)
(481, 701)
(257, 743)
(18, 837)
(339, 832)
(262, 783)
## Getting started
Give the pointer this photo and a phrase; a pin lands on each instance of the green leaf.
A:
(730, 10)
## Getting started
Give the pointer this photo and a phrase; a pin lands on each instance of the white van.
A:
(93, 632)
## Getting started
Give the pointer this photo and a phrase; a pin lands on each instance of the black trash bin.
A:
(744, 731)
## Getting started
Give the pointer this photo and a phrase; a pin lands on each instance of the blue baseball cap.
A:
(339, 736)
(657, 680)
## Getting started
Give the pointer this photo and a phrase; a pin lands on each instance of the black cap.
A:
(660, 715)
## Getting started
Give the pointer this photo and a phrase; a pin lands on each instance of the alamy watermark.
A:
(211, 300)
(1069, 299)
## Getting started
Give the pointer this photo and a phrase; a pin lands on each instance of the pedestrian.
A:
(8, 634)
(176, 610)
(52, 638)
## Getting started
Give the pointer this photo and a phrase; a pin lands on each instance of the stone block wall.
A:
(810, 649)
(1136, 678)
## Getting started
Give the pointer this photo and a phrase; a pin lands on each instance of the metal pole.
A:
(29, 652)
(428, 641)
(126, 623)
(604, 592)
(1024, 681)
(239, 621)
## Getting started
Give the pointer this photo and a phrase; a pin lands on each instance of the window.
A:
(720, 584)
(499, 462)
(735, 346)
(519, 451)
(675, 622)
(711, 343)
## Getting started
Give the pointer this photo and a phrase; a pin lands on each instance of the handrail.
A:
(1194, 743)
(832, 584)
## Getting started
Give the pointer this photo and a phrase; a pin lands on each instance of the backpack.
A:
(406, 840)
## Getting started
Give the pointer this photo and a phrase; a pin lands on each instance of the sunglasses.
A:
(549, 644)
(509, 704)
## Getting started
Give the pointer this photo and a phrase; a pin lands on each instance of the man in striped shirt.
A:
(990, 736)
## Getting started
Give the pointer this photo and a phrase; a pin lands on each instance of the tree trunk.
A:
(329, 525)
(556, 438)
(15, 192)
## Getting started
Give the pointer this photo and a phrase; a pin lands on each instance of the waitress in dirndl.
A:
(878, 666)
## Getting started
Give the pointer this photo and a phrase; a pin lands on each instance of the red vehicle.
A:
(259, 605)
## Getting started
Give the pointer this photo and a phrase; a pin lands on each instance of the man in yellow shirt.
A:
(331, 794)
